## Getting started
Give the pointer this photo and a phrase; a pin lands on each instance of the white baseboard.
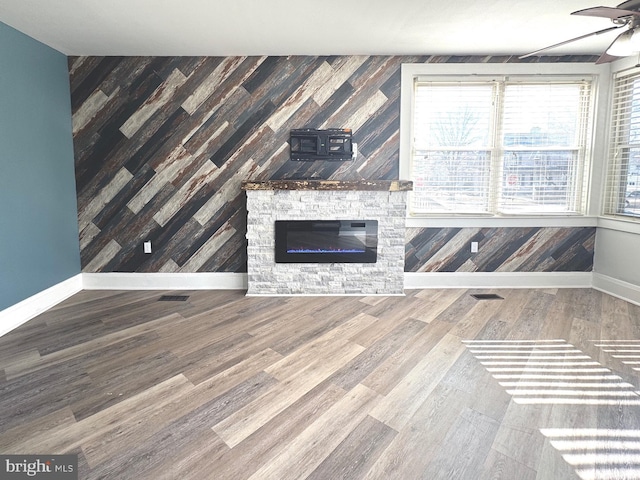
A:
(497, 280)
(165, 281)
(617, 288)
(325, 294)
(27, 309)
(15, 315)
(238, 281)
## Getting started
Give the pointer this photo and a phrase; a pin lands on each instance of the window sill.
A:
(489, 222)
(631, 225)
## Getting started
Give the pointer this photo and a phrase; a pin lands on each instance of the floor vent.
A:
(486, 296)
(173, 298)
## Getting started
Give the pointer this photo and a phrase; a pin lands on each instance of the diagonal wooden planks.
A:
(162, 144)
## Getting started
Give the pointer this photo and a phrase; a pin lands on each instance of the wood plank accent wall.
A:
(163, 143)
(500, 249)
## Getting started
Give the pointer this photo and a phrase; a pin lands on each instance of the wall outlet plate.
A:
(147, 247)
(474, 247)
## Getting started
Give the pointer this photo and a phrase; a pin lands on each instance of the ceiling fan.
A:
(625, 16)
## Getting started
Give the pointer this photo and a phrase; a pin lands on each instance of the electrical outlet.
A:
(474, 247)
(147, 247)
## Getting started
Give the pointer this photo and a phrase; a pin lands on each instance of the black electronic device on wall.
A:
(307, 144)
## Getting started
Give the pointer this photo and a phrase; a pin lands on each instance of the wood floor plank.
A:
(433, 302)
(240, 371)
(21, 361)
(434, 384)
(53, 421)
(28, 397)
(167, 450)
(272, 438)
(191, 456)
(38, 336)
(416, 444)
(183, 449)
(404, 399)
(474, 320)
(383, 327)
(566, 418)
(298, 331)
(238, 426)
(223, 355)
(529, 323)
(307, 451)
(88, 348)
(583, 334)
(458, 307)
(472, 431)
(201, 301)
(127, 436)
(356, 453)
(113, 383)
(396, 308)
(321, 347)
(502, 321)
(554, 466)
(500, 467)
(617, 324)
(373, 300)
(368, 360)
(551, 327)
(518, 436)
(92, 302)
(393, 369)
(198, 333)
(470, 378)
(587, 304)
(100, 424)
(181, 420)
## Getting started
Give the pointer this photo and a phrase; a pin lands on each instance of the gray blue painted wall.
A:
(38, 213)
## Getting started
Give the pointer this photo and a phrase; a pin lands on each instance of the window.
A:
(622, 185)
(510, 145)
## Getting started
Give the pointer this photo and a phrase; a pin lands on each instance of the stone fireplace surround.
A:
(268, 201)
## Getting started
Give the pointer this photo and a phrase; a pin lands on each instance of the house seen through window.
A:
(509, 146)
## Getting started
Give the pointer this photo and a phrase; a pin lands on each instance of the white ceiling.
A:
(305, 27)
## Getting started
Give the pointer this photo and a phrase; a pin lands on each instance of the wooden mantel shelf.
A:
(378, 185)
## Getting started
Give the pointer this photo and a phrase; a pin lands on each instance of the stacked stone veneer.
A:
(386, 276)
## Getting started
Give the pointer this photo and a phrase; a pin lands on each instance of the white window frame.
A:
(600, 75)
(624, 68)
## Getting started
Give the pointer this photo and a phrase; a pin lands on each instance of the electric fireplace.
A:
(326, 241)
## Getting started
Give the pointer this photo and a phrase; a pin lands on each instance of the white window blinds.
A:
(452, 147)
(500, 147)
(622, 184)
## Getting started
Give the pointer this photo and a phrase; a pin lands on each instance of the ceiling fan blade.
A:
(569, 41)
(606, 12)
(606, 58)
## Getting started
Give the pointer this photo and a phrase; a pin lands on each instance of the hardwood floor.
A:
(543, 384)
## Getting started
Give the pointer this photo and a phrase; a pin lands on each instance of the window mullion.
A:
(495, 175)
(578, 198)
